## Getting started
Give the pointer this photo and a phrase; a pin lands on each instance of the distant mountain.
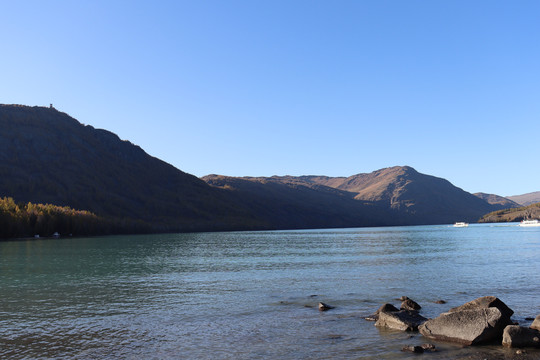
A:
(526, 199)
(408, 196)
(293, 204)
(499, 201)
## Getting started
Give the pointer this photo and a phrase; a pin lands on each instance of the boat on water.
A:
(461, 224)
(529, 223)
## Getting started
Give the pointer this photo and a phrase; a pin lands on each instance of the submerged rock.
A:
(440, 301)
(419, 349)
(519, 336)
(429, 347)
(324, 307)
(404, 320)
(467, 327)
(413, 349)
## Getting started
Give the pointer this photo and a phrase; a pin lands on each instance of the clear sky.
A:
(261, 88)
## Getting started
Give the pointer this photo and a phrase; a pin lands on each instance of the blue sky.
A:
(261, 88)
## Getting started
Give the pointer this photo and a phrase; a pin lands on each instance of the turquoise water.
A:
(245, 295)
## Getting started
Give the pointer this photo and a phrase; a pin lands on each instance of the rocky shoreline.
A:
(483, 321)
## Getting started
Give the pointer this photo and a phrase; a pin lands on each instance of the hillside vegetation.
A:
(513, 215)
(26, 220)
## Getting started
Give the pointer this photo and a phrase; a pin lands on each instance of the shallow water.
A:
(245, 295)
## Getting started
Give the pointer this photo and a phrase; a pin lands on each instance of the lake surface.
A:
(246, 295)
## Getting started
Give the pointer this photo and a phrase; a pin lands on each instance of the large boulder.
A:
(484, 303)
(404, 320)
(519, 336)
(467, 327)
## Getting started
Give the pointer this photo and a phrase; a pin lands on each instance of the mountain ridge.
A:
(411, 197)
(46, 156)
(500, 201)
(526, 199)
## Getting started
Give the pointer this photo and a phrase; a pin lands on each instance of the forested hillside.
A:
(27, 220)
(513, 214)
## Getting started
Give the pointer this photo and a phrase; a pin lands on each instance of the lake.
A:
(246, 295)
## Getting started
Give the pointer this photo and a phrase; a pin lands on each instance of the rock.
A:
(536, 323)
(410, 305)
(403, 298)
(414, 349)
(324, 307)
(404, 320)
(440, 302)
(484, 303)
(429, 347)
(519, 336)
(467, 327)
(386, 307)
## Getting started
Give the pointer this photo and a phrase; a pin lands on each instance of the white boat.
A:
(529, 223)
(461, 224)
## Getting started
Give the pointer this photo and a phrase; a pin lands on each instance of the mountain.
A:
(526, 199)
(406, 195)
(499, 201)
(46, 156)
(513, 215)
(293, 204)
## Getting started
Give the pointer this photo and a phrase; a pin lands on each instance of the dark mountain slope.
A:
(48, 157)
(295, 204)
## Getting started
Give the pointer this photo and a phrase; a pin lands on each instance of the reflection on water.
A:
(254, 294)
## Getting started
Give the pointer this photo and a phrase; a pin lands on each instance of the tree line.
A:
(28, 220)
